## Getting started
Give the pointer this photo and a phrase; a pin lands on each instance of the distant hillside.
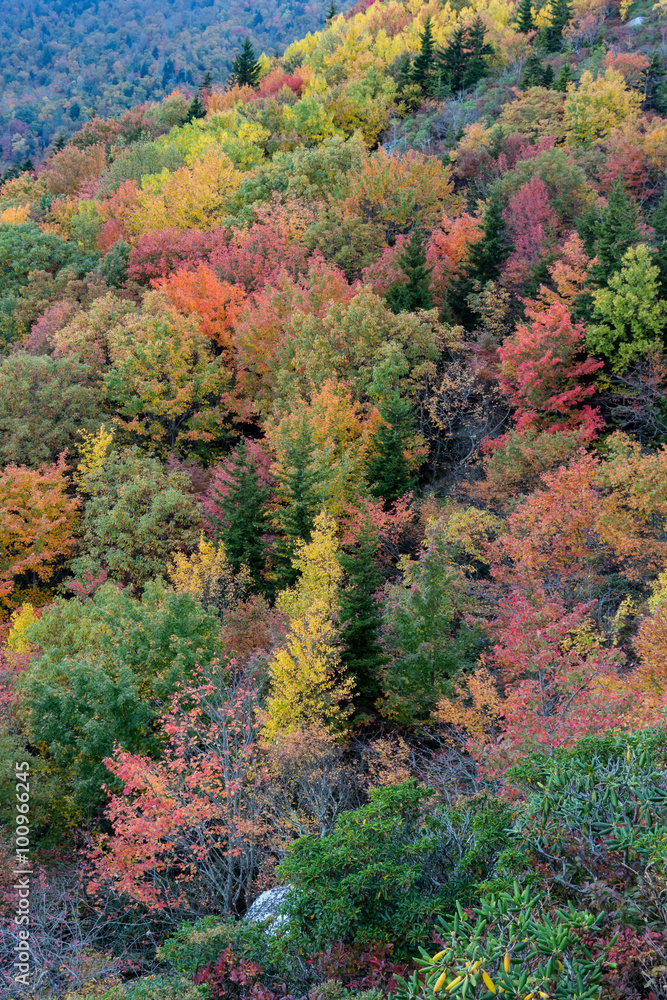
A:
(61, 60)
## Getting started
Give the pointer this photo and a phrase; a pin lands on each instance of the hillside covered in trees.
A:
(333, 547)
(63, 61)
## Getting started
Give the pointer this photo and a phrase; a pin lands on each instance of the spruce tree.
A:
(548, 77)
(414, 293)
(245, 68)
(533, 72)
(617, 230)
(403, 71)
(561, 12)
(524, 16)
(299, 491)
(659, 223)
(487, 257)
(388, 472)
(453, 60)
(196, 108)
(564, 77)
(422, 68)
(485, 260)
(462, 60)
(244, 509)
(206, 83)
(332, 11)
(360, 618)
(476, 48)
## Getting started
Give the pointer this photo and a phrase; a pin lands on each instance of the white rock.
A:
(636, 22)
(267, 907)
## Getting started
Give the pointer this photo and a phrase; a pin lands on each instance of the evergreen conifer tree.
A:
(476, 48)
(484, 261)
(453, 59)
(617, 230)
(388, 472)
(332, 11)
(403, 71)
(533, 72)
(564, 77)
(561, 12)
(524, 16)
(462, 60)
(300, 494)
(487, 257)
(244, 508)
(245, 68)
(422, 68)
(548, 77)
(414, 293)
(659, 223)
(196, 108)
(361, 619)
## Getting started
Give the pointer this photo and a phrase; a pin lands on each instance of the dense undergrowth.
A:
(333, 447)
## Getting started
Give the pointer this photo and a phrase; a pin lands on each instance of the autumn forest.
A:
(333, 513)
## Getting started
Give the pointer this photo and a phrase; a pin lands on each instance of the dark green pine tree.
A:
(422, 67)
(564, 77)
(561, 12)
(659, 223)
(548, 77)
(245, 519)
(403, 71)
(484, 261)
(453, 60)
(332, 11)
(415, 293)
(299, 490)
(196, 108)
(524, 16)
(476, 49)
(59, 143)
(206, 83)
(533, 72)
(616, 232)
(388, 472)
(245, 68)
(361, 620)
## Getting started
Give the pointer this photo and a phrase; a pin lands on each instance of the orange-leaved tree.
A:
(399, 192)
(37, 529)
(216, 304)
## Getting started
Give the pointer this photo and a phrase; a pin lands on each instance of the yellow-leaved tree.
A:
(209, 576)
(196, 197)
(597, 106)
(307, 686)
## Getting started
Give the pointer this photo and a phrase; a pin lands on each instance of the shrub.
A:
(508, 944)
(380, 877)
(148, 988)
(603, 801)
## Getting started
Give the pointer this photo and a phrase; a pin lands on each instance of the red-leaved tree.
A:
(161, 252)
(546, 377)
(188, 828)
(532, 223)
